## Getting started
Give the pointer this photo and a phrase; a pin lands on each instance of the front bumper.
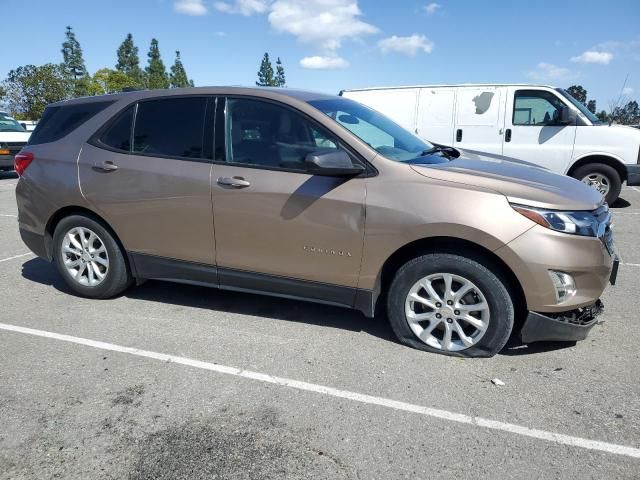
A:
(633, 175)
(6, 162)
(573, 325)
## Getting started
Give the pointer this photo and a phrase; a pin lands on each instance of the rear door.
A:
(153, 184)
(478, 124)
(533, 132)
(435, 114)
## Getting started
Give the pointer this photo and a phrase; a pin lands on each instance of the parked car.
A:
(534, 123)
(12, 138)
(316, 197)
(28, 125)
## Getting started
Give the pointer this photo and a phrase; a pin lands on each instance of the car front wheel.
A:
(450, 304)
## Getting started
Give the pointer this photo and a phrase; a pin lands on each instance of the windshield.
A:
(385, 136)
(9, 124)
(585, 111)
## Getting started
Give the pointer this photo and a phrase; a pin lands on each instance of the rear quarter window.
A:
(60, 120)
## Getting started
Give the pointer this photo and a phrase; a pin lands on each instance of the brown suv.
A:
(316, 197)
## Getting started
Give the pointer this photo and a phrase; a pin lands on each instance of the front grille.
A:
(15, 147)
(603, 220)
(584, 316)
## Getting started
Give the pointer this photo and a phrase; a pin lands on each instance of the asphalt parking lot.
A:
(175, 382)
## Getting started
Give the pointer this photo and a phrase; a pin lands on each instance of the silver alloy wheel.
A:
(598, 181)
(85, 257)
(447, 312)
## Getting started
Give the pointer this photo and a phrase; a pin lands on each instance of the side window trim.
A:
(222, 116)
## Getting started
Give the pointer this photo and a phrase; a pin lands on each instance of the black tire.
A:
(500, 303)
(118, 277)
(612, 175)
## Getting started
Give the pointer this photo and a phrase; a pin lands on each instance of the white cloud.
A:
(318, 62)
(190, 7)
(593, 56)
(548, 71)
(322, 23)
(432, 8)
(627, 91)
(242, 7)
(409, 46)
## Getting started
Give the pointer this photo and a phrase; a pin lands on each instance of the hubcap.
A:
(597, 181)
(85, 256)
(447, 312)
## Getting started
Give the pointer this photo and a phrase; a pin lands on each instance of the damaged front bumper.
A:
(573, 325)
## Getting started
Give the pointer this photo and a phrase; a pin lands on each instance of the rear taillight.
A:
(21, 161)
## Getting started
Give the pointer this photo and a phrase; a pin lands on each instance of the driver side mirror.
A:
(332, 163)
(567, 116)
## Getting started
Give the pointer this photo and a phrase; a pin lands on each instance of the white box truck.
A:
(533, 123)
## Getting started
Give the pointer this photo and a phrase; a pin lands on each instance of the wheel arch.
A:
(613, 162)
(67, 211)
(456, 246)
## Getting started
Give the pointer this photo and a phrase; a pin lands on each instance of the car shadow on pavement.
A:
(43, 272)
(515, 347)
(620, 203)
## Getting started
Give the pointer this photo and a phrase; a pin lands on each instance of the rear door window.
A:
(171, 127)
(118, 134)
(60, 120)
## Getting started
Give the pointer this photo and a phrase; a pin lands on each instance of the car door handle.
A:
(106, 166)
(459, 135)
(235, 182)
(507, 135)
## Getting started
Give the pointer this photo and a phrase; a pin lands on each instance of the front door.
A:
(277, 227)
(154, 192)
(533, 131)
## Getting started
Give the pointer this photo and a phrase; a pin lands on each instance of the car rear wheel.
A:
(450, 304)
(603, 178)
(89, 258)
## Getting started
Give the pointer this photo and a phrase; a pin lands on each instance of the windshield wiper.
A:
(448, 151)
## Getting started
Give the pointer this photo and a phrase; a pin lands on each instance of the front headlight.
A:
(576, 223)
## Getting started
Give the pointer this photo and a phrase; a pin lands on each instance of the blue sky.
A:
(328, 45)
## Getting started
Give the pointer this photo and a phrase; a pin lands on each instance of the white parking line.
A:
(15, 256)
(345, 394)
(630, 264)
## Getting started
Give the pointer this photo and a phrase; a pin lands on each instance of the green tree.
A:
(129, 62)
(178, 76)
(73, 65)
(156, 72)
(106, 81)
(280, 80)
(578, 92)
(627, 115)
(591, 105)
(265, 74)
(29, 89)
(602, 116)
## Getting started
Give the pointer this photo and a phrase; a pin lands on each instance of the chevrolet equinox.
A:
(316, 197)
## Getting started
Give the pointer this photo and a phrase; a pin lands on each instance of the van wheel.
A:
(602, 177)
(89, 258)
(450, 304)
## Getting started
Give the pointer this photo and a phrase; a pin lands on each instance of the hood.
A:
(14, 136)
(520, 183)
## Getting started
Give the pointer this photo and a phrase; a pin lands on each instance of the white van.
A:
(534, 123)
